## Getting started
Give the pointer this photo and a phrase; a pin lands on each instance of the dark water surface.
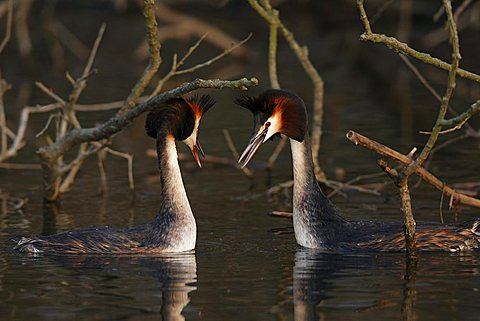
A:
(246, 265)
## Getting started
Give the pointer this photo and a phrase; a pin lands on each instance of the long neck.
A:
(311, 208)
(174, 195)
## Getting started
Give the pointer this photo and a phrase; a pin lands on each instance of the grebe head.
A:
(274, 112)
(181, 118)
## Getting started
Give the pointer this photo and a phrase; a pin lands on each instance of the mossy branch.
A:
(401, 47)
(401, 178)
(154, 61)
(119, 122)
(448, 93)
(458, 121)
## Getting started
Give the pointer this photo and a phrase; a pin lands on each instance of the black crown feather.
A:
(291, 107)
(173, 115)
(203, 102)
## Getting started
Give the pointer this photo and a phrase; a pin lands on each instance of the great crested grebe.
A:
(315, 221)
(174, 228)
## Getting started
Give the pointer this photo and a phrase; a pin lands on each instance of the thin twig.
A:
(440, 210)
(49, 92)
(214, 59)
(180, 25)
(427, 85)
(461, 9)
(174, 70)
(236, 155)
(68, 38)
(349, 183)
(269, 15)
(446, 143)
(129, 158)
(276, 152)
(391, 42)
(81, 83)
(446, 98)
(47, 125)
(399, 46)
(8, 32)
(73, 168)
(281, 214)
(51, 153)
(381, 10)
(3, 120)
(21, 27)
(420, 77)
(101, 156)
(458, 121)
(20, 166)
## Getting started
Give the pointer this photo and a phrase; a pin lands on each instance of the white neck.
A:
(175, 225)
(173, 190)
(312, 211)
(303, 173)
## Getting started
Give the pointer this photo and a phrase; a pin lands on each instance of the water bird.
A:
(316, 222)
(174, 228)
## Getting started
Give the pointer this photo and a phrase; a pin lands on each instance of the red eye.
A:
(267, 124)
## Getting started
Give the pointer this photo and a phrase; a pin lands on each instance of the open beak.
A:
(252, 147)
(196, 150)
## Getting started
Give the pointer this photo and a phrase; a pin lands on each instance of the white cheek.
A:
(275, 124)
(192, 139)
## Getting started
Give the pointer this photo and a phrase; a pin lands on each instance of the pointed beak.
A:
(196, 150)
(252, 147)
(200, 149)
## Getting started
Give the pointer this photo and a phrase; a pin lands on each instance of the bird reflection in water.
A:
(315, 277)
(176, 274)
(311, 271)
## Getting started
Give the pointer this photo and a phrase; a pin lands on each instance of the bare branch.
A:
(101, 156)
(235, 153)
(82, 81)
(448, 93)
(175, 66)
(4, 86)
(155, 58)
(383, 150)
(272, 17)
(20, 166)
(399, 46)
(461, 9)
(49, 92)
(409, 220)
(214, 59)
(49, 154)
(129, 158)
(47, 125)
(21, 27)
(431, 90)
(276, 152)
(70, 40)
(457, 122)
